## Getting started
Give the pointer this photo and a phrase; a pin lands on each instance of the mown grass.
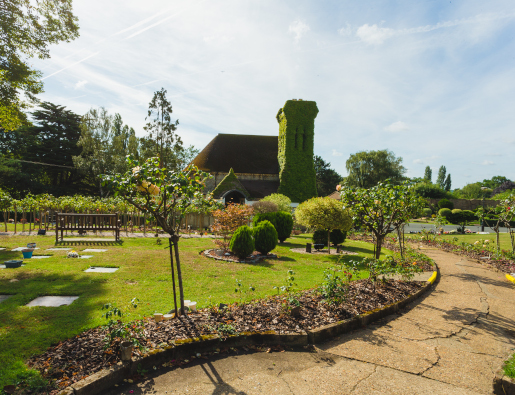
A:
(144, 272)
(472, 238)
(509, 367)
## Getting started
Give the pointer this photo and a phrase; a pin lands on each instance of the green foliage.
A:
(296, 140)
(265, 237)
(429, 191)
(118, 331)
(319, 237)
(447, 184)
(242, 243)
(262, 207)
(445, 213)
(229, 183)
(461, 217)
(494, 182)
(473, 191)
(368, 168)
(283, 202)
(327, 178)
(426, 212)
(428, 174)
(28, 29)
(289, 282)
(445, 203)
(338, 236)
(335, 285)
(240, 289)
(440, 181)
(282, 221)
(509, 367)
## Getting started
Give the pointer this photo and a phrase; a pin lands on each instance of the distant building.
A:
(246, 168)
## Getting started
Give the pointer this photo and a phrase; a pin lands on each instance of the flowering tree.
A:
(324, 213)
(228, 220)
(504, 215)
(167, 195)
(381, 208)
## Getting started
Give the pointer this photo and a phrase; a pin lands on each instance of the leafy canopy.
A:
(283, 202)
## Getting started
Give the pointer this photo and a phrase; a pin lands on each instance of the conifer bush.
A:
(265, 237)
(445, 212)
(281, 220)
(320, 237)
(338, 236)
(242, 242)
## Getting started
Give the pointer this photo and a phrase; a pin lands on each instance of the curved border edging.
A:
(101, 381)
(503, 385)
(510, 278)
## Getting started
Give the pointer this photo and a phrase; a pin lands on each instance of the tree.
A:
(494, 182)
(327, 178)
(283, 202)
(167, 195)
(160, 128)
(229, 219)
(447, 183)
(472, 191)
(323, 213)
(429, 191)
(440, 181)
(428, 174)
(367, 168)
(381, 207)
(27, 29)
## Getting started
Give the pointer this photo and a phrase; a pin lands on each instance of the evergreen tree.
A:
(327, 178)
(441, 177)
(448, 183)
(428, 174)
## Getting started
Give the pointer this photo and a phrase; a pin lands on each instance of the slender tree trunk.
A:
(379, 243)
(401, 247)
(512, 238)
(5, 220)
(179, 273)
(329, 241)
(498, 242)
(173, 276)
(16, 218)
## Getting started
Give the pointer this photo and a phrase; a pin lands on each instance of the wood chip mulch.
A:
(229, 256)
(79, 357)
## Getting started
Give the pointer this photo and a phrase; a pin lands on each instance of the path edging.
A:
(510, 278)
(503, 385)
(101, 381)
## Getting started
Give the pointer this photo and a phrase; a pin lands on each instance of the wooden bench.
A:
(85, 222)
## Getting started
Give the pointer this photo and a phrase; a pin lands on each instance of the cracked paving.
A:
(451, 341)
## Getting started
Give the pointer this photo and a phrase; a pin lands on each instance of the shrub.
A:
(242, 243)
(445, 203)
(320, 237)
(265, 237)
(338, 236)
(445, 212)
(282, 201)
(430, 191)
(262, 207)
(426, 212)
(282, 222)
(228, 220)
(460, 217)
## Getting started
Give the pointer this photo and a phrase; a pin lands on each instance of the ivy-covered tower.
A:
(296, 139)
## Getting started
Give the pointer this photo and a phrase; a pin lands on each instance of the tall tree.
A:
(160, 127)
(327, 178)
(428, 174)
(367, 168)
(441, 177)
(27, 28)
(447, 183)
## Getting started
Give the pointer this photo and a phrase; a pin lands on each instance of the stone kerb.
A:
(99, 382)
(503, 385)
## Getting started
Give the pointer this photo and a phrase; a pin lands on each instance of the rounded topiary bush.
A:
(283, 225)
(262, 207)
(445, 212)
(426, 212)
(320, 237)
(446, 203)
(337, 236)
(242, 243)
(265, 237)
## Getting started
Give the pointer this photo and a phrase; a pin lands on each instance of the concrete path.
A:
(450, 342)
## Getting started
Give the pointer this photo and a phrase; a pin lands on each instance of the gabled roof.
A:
(229, 183)
(244, 153)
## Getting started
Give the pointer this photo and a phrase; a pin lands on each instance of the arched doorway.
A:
(235, 197)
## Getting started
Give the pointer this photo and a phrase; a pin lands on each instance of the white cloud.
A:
(487, 163)
(345, 31)
(336, 153)
(80, 84)
(418, 161)
(374, 34)
(298, 29)
(397, 127)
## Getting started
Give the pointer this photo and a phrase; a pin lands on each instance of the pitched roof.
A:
(229, 183)
(258, 189)
(244, 153)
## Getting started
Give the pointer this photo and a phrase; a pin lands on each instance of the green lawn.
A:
(504, 238)
(144, 273)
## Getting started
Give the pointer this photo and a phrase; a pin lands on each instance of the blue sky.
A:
(432, 81)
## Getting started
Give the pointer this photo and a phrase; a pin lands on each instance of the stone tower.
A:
(295, 155)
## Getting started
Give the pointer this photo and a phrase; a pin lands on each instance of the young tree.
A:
(324, 213)
(447, 183)
(368, 168)
(283, 202)
(327, 178)
(166, 195)
(160, 127)
(381, 208)
(5, 204)
(27, 29)
(428, 174)
(229, 219)
(441, 177)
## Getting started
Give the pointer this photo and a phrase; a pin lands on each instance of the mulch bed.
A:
(502, 264)
(229, 256)
(76, 358)
(322, 252)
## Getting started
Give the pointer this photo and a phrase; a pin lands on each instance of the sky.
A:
(431, 81)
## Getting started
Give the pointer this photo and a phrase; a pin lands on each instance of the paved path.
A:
(450, 342)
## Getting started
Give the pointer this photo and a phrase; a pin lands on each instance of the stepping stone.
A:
(4, 297)
(41, 256)
(3, 266)
(98, 269)
(85, 256)
(1, 249)
(58, 249)
(93, 250)
(52, 301)
(23, 248)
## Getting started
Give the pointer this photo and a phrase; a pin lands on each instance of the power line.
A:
(40, 163)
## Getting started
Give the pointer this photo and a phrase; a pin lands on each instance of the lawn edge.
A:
(502, 384)
(101, 381)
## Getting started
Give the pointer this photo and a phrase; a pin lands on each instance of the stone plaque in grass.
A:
(85, 256)
(52, 301)
(41, 256)
(23, 248)
(98, 269)
(4, 297)
(94, 250)
(58, 249)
